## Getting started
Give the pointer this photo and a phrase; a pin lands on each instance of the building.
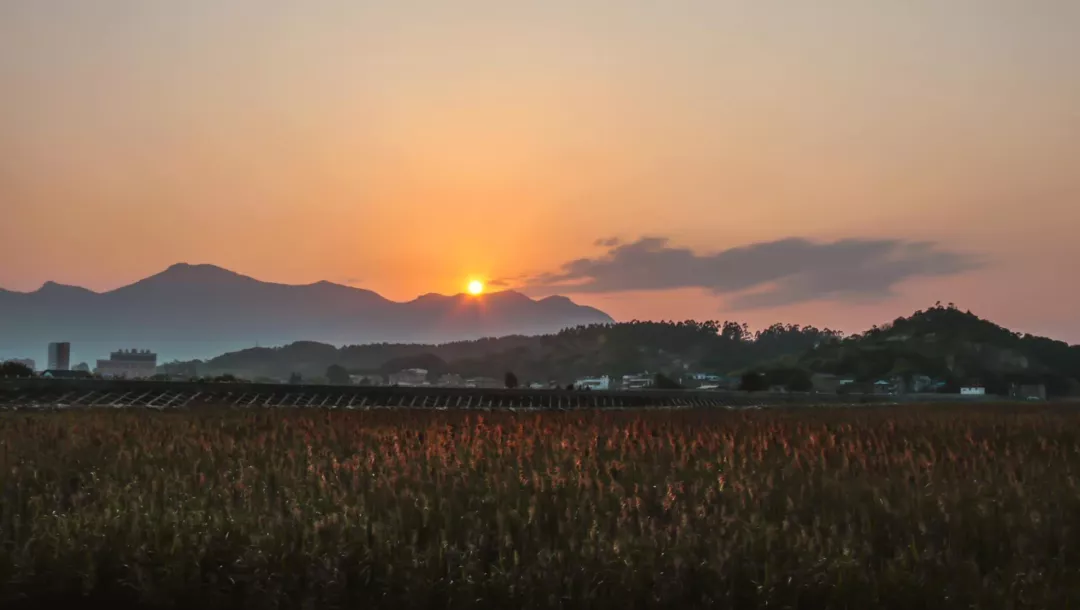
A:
(27, 362)
(593, 383)
(973, 391)
(409, 377)
(128, 364)
(451, 380)
(637, 382)
(484, 382)
(59, 356)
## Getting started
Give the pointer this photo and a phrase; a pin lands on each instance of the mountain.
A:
(195, 311)
(955, 346)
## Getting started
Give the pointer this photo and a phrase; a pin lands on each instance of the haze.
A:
(837, 163)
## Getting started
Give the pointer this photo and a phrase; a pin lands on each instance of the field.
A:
(874, 507)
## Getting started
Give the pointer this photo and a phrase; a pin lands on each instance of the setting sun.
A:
(476, 287)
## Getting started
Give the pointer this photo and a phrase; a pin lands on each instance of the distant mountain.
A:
(196, 311)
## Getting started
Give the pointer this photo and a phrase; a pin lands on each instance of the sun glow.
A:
(476, 287)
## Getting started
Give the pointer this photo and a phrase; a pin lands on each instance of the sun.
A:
(476, 287)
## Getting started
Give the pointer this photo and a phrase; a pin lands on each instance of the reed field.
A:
(935, 506)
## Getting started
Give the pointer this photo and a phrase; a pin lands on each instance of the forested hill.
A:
(942, 342)
(952, 345)
(597, 349)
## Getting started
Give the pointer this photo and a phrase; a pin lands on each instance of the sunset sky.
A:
(836, 163)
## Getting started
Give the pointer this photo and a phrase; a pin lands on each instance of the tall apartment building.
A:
(59, 356)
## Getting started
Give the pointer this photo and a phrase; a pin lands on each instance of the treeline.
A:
(599, 349)
(943, 343)
(15, 369)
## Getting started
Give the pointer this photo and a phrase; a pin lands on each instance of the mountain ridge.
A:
(174, 272)
(191, 311)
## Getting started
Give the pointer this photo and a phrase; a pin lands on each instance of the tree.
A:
(435, 366)
(15, 369)
(792, 379)
(663, 382)
(800, 381)
(337, 375)
(296, 379)
(510, 380)
(753, 382)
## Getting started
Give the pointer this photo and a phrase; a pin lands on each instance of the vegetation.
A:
(337, 375)
(510, 380)
(15, 369)
(600, 349)
(942, 343)
(791, 379)
(663, 382)
(431, 363)
(955, 346)
(928, 507)
(753, 382)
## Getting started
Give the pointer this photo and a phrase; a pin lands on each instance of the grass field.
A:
(891, 507)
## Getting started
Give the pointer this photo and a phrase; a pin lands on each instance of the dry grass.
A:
(934, 507)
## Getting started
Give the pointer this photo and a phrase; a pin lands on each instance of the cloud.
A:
(760, 275)
(607, 242)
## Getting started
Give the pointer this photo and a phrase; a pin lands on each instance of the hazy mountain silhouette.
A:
(191, 311)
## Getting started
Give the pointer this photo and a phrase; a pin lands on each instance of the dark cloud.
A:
(607, 242)
(498, 283)
(766, 274)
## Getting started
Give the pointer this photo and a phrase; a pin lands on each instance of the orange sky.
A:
(405, 147)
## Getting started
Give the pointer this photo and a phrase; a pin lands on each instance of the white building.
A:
(128, 364)
(484, 382)
(410, 378)
(637, 382)
(593, 383)
(973, 391)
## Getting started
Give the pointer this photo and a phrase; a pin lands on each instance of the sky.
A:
(837, 163)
